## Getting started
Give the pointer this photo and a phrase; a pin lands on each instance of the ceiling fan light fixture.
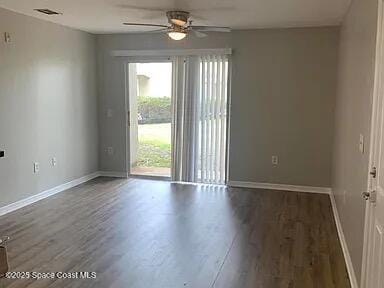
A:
(179, 25)
(176, 35)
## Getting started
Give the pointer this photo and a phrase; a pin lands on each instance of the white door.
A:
(373, 271)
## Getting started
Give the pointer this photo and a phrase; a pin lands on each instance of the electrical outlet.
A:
(275, 160)
(36, 167)
(110, 150)
(54, 161)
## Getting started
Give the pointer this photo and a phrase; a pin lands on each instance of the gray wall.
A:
(353, 116)
(48, 105)
(283, 93)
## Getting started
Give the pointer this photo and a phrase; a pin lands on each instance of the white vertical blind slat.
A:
(218, 121)
(207, 116)
(214, 122)
(217, 115)
(198, 124)
(212, 116)
(211, 119)
(223, 121)
(203, 122)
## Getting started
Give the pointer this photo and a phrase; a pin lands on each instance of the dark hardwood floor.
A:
(143, 233)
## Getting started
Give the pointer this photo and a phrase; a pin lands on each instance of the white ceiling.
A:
(106, 16)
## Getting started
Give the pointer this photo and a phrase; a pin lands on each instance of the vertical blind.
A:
(213, 119)
(200, 119)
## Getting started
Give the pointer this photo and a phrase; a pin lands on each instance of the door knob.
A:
(373, 172)
(366, 195)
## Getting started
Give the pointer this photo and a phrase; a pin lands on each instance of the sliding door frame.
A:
(158, 56)
(127, 61)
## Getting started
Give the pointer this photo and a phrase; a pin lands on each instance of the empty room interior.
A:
(200, 144)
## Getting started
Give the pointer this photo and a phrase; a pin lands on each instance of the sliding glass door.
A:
(178, 118)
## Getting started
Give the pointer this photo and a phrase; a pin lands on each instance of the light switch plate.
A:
(36, 167)
(275, 160)
(7, 37)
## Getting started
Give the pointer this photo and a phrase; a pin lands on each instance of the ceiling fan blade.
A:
(211, 28)
(145, 24)
(199, 34)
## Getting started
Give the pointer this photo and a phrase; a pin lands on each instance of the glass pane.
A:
(151, 115)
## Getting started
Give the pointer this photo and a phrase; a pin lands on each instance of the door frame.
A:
(378, 72)
(127, 61)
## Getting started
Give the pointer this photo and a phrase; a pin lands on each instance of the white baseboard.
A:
(310, 189)
(34, 198)
(344, 247)
(117, 174)
(294, 188)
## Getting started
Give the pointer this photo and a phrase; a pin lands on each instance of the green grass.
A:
(154, 145)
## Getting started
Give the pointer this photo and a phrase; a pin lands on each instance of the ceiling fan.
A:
(180, 25)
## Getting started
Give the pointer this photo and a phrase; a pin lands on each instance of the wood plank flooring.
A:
(143, 234)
